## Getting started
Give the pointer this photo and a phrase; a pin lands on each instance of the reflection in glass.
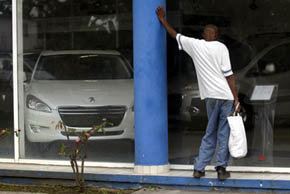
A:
(77, 72)
(6, 106)
(90, 67)
(255, 33)
(6, 82)
(257, 36)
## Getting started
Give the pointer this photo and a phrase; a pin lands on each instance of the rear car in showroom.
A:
(268, 67)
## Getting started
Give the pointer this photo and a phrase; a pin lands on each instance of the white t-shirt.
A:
(212, 65)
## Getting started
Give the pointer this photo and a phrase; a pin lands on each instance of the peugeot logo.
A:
(92, 100)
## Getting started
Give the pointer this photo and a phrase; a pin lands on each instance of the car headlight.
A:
(35, 104)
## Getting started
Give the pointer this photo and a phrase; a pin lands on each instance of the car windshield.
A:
(82, 67)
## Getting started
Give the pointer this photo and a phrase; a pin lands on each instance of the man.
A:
(217, 86)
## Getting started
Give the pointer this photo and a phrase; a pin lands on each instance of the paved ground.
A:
(164, 191)
(6, 192)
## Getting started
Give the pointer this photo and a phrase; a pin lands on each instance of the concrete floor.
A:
(165, 191)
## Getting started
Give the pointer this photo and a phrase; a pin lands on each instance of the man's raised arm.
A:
(161, 16)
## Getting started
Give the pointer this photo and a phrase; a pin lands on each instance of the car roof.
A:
(67, 52)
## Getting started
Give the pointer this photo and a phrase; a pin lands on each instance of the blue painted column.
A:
(150, 89)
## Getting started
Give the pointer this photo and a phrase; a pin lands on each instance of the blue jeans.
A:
(217, 130)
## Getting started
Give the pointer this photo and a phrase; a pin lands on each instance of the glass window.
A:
(6, 81)
(76, 63)
(6, 103)
(77, 70)
(272, 62)
(256, 34)
(90, 67)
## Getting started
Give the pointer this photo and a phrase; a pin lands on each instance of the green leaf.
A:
(62, 148)
(83, 138)
(59, 125)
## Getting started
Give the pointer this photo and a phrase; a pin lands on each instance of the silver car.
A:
(269, 67)
(79, 88)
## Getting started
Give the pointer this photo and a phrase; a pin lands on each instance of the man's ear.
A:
(216, 35)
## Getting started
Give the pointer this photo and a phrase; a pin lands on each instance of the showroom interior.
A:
(75, 64)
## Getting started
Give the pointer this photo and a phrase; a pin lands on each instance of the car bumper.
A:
(41, 127)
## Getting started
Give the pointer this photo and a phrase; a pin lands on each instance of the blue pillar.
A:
(150, 87)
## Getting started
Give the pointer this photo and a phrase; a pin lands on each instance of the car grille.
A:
(107, 133)
(89, 116)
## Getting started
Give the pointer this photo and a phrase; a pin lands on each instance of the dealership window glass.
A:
(6, 81)
(6, 101)
(257, 36)
(76, 56)
(90, 67)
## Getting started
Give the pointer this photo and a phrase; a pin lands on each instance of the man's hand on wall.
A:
(160, 13)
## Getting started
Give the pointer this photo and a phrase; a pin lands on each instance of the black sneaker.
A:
(222, 174)
(198, 174)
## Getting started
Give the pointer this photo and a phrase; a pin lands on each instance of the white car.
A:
(79, 88)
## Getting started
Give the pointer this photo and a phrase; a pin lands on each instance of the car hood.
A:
(82, 93)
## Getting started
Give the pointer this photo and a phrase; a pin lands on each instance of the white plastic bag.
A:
(237, 140)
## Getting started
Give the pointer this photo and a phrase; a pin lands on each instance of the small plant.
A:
(78, 150)
(5, 132)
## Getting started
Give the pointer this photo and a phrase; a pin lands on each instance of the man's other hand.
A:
(160, 13)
